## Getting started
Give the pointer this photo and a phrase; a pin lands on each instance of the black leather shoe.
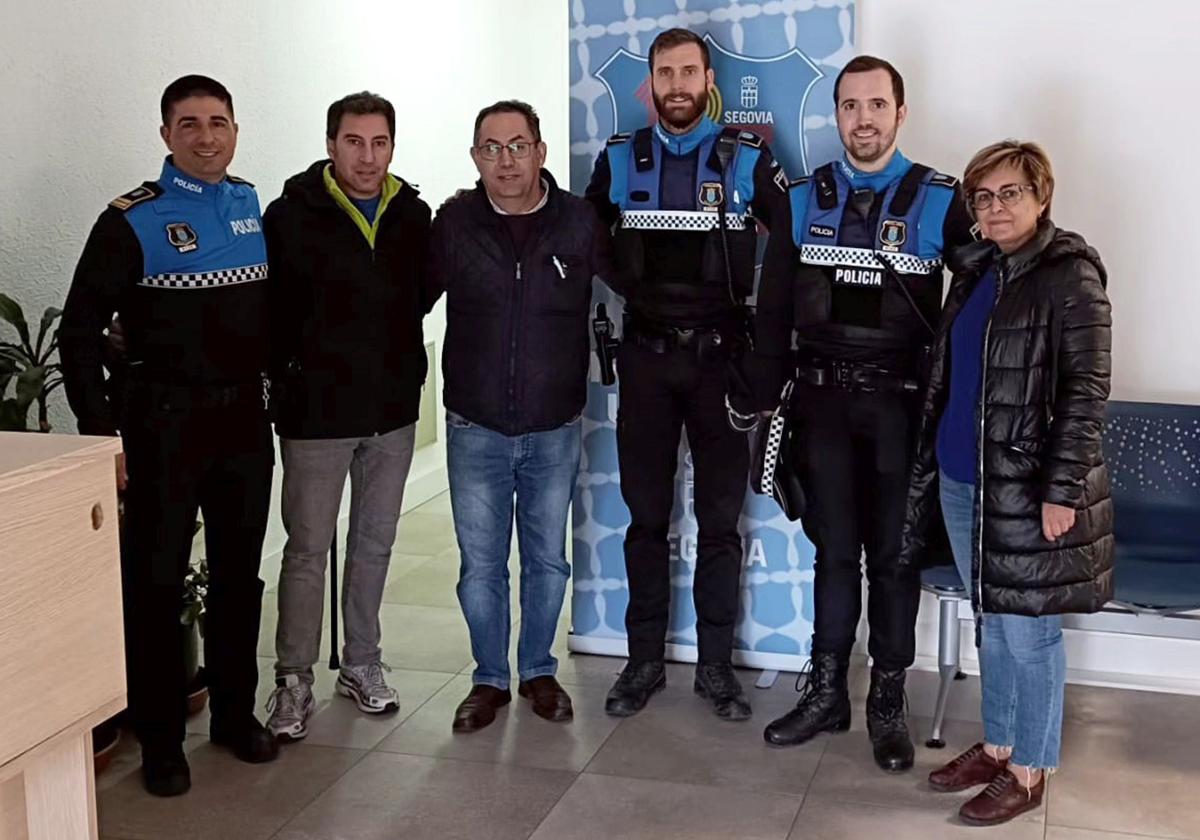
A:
(632, 690)
(250, 740)
(165, 772)
(718, 682)
(824, 704)
(886, 721)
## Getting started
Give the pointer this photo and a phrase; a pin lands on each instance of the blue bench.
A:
(1153, 456)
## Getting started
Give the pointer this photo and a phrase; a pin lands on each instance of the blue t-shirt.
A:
(367, 206)
(958, 432)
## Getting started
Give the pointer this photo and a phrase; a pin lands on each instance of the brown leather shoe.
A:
(974, 767)
(479, 709)
(1002, 800)
(550, 701)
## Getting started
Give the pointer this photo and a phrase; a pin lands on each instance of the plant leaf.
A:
(12, 418)
(29, 385)
(11, 311)
(51, 314)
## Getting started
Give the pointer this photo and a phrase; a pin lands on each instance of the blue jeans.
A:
(1022, 663)
(488, 471)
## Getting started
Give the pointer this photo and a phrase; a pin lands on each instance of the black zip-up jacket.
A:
(1046, 370)
(515, 359)
(347, 351)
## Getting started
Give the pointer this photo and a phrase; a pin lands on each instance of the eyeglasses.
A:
(1009, 195)
(491, 151)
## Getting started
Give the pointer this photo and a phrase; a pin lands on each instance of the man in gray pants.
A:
(346, 245)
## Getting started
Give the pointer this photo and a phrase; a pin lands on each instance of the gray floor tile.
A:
(430, 584)
(820, 820)
(1058, 832)
(439, 504)
(337, 721)
(1123, 782)
(1114, 711)
(228, 799)
(517, 736)
(622, 809)
(388, 796)
(677, 738)
(848, 773)
(425, 533)
(425, 638)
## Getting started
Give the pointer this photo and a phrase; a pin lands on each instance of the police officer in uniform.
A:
(182, 260)
(683, 196)
(859, 282)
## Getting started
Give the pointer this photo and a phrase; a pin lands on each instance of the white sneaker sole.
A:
(364, 704)
(295, 731)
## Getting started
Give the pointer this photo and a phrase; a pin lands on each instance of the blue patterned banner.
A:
(775, 64)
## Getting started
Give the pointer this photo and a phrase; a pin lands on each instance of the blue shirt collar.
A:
(682, 144)
(876, 181)
(173, 180)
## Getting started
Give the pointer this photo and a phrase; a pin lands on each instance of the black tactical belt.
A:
(666, 339)
(854, 377)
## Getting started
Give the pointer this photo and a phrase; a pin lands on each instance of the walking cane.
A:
(334, 664)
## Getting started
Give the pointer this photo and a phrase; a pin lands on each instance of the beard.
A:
(872, 149)
(678, 116)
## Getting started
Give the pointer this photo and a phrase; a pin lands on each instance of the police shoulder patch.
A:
(617, 139)
(233, 179)
(145, 192)
(749, 138)
(944, 180)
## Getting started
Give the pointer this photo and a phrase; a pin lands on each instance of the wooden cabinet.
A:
(62, 666)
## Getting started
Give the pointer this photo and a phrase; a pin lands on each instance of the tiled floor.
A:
(1131, 760)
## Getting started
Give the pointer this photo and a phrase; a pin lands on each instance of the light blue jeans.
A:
(489, 471)
(1022, 663)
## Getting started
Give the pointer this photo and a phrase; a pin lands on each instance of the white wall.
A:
(80, 84)
(1108, 87)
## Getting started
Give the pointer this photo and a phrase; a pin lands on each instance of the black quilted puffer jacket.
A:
(1046, 377)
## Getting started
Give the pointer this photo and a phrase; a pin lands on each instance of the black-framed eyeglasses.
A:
(1009, 195)
(491, 151)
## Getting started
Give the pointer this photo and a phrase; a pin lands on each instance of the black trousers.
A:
(181, 458)
(661, 394)
(854, 461)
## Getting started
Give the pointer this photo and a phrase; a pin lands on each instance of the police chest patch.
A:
(892, 234)
(821, 230)
(711, 194)
(181, 235)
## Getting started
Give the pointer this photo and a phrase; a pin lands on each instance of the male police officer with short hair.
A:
(182, 260)
(683, 195)
(860, 283)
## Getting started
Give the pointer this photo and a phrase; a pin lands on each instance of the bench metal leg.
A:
(948, 661)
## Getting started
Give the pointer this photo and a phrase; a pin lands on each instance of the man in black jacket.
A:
(347, 243)
(516, 257)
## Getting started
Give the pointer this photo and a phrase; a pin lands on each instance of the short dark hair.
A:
(865, 64)
(677, 38)
(186, 87)
(511, 106)
(360, 103)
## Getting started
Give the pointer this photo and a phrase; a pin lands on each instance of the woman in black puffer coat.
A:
(1009, 445)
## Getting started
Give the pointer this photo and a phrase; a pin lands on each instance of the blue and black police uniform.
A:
(685, 273)
(183, 263)
(859, 286)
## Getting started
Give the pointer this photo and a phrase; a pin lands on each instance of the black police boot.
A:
(886, 723)
(824, 704)
(165, 771)
(717, 682)
(250, 740)
(632, 690)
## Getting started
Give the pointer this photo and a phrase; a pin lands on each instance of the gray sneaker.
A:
(290, 707)
(364, 685)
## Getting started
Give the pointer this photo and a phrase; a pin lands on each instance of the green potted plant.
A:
(29, 363)
(191, 619)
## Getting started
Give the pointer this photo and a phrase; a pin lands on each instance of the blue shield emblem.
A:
(765, 95)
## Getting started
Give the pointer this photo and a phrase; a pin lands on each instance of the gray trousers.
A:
(314, 472)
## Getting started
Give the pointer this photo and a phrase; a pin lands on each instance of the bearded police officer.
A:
(683, 196)
(859, 283)
(182, 260)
